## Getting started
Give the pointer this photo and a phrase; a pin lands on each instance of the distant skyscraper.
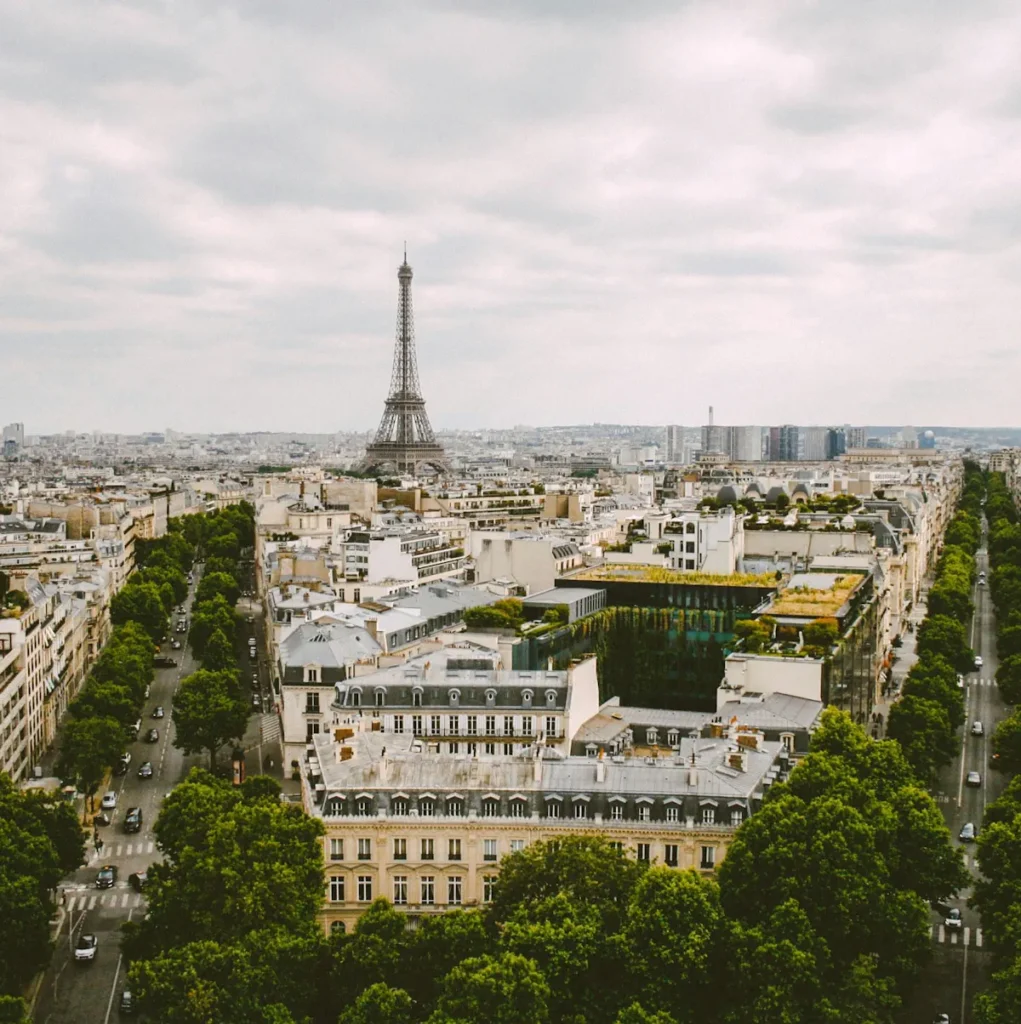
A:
(783, 443)
(856, 437)
(674, 444)
(15, 432)
(813, 443)
(836, 443)
(405, 438)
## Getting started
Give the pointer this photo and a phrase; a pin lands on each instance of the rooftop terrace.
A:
(815, 595)
(633, 573)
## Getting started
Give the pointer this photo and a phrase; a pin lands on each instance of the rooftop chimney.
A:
(600, 768)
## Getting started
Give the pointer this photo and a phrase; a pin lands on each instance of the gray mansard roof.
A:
(383, 768)
(328, 642)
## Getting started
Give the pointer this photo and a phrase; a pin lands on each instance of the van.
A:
(137, 728)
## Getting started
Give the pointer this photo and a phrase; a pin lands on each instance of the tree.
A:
(940, 634)
(509, 989)
(25, 935)
(141, 603)
(438, 945)
(204, 981)
(922, 728)
(1008, 642)
(214, 583)
(106, 700)
(13, 1010)
(379, 1004)
(674, 935)
(586, 868)
(637, 1014)
(208, 712)
(1001, 1004)
(1008, 678)
(206, 619)
(1007, 743)
(191, 810)
(933, 687)
(89, 746)
(224, 545)
(218, 655)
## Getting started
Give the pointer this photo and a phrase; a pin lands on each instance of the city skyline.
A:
(205, 211)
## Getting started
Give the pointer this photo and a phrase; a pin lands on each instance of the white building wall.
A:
(765, 674)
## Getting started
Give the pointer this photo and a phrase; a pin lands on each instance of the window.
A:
(455, 808)
(488, 888)
(380, 698)
(454, 748)
(400, 890)
(416, 698)
(473, 725)
(642, 851)
(400, 849)
(616, 812)
(652, 736)
(787, 741)
(428, 849)
(708, 860)
(708, 815)
(689, 528)
(490, 725)
(618, 847)
(517, 845)
(416, 725)
(581, 809)
(526, 698)
(670, 855)
(365, 849)
(336, 849)
(311, 729)
(518, 808)
(526, 725)
(551, 698)
(644, 812)
(490, 698)
(434, 725)
(453, 849)
(552, 808)
(689, 547)
(336, 888)
(471, 749)
(398, 724)
(508, 725)
(338, 927)
(489, 849)
(508, 748)
(399, 807)
(311, 703)
(454, 696)
(358, 595)
(673, 737)
(490, 748)
(736, 816)
(453, 725)
(356, 698)
(427, 890)
(454, 890)
(365, 888)
(490, 808)
(689, 563)
(426, 807)
(551, 726)
(672, 813)
(363, 808)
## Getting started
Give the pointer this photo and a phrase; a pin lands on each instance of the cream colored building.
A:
(427, 830)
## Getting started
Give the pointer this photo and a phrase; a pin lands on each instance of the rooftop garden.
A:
(656, 574)
(814, 603)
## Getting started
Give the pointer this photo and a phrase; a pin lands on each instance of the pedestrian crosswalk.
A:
(269, 727)
(956, 936)
(111, 851)
(982, 681)
(112, 900)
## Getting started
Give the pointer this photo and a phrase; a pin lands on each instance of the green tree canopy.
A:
(208, 712)
(509, 989)
(89, 746)
(208, 617)
(214, 583)
(379, 1004)
(925, 733)
(141, 603)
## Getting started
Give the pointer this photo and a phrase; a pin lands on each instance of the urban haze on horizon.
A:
(792, 214)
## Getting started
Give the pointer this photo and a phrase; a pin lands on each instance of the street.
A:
(961, 965)
(90, 993)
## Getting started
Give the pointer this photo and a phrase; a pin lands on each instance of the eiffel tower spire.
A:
(404, 440)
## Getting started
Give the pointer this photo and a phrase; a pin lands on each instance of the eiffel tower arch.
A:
(405, 438)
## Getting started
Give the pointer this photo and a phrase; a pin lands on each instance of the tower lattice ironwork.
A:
(405, 438)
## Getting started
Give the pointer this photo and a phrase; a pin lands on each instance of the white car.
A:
(978, 661)
(109, 801)
(85, 950)
(976, 729)
(973, 779)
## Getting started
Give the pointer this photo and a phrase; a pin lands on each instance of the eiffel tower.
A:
(405, 440)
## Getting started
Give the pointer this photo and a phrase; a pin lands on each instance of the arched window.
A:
(455, 697)
(651, 736)
(526, 698)
(338, 928)
(356, 697)
(490, 698)
(416, 697)
(551, 698)
(380, 696)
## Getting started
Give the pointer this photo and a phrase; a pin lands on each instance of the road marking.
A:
(124, 899)
(113, 987)
(92, 903)
(978, 937)
(964, 740)
(942, 933)
(953, 938)
(967, 935)
(931, 930)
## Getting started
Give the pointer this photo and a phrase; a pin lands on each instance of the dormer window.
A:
(551, 698)
(363, 807)
(526, 698)
(651, 736)
(673, 737)
(416, 697)
(455, 807)
(455, 697)
(399, 807)
(689, 528)
(490, 698)
(380, 696)
(356, 698)
(312, 674)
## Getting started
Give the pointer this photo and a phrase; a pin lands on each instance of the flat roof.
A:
(625, 572)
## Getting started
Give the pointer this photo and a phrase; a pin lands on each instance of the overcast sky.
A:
(796, 212)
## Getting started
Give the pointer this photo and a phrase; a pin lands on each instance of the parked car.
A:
(158, 712)
(953, 919)
(967, 833)
(121, 767)
(973, 779)
(133, 820)
(107, 877)
(943, 1018)
(138, 880)
(145, 770)
(978, 661)
(127, 1006)
(85, 950)
(109, 801)
(976, 728)
(175, 644)
(100, 819)
(960, 682)
(165, 661)
(152, 736)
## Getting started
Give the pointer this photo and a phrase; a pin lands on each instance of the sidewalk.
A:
(906, 657)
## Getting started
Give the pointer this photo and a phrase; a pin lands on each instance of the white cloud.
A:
(615, 212)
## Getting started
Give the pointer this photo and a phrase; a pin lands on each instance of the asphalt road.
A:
(961, 965)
